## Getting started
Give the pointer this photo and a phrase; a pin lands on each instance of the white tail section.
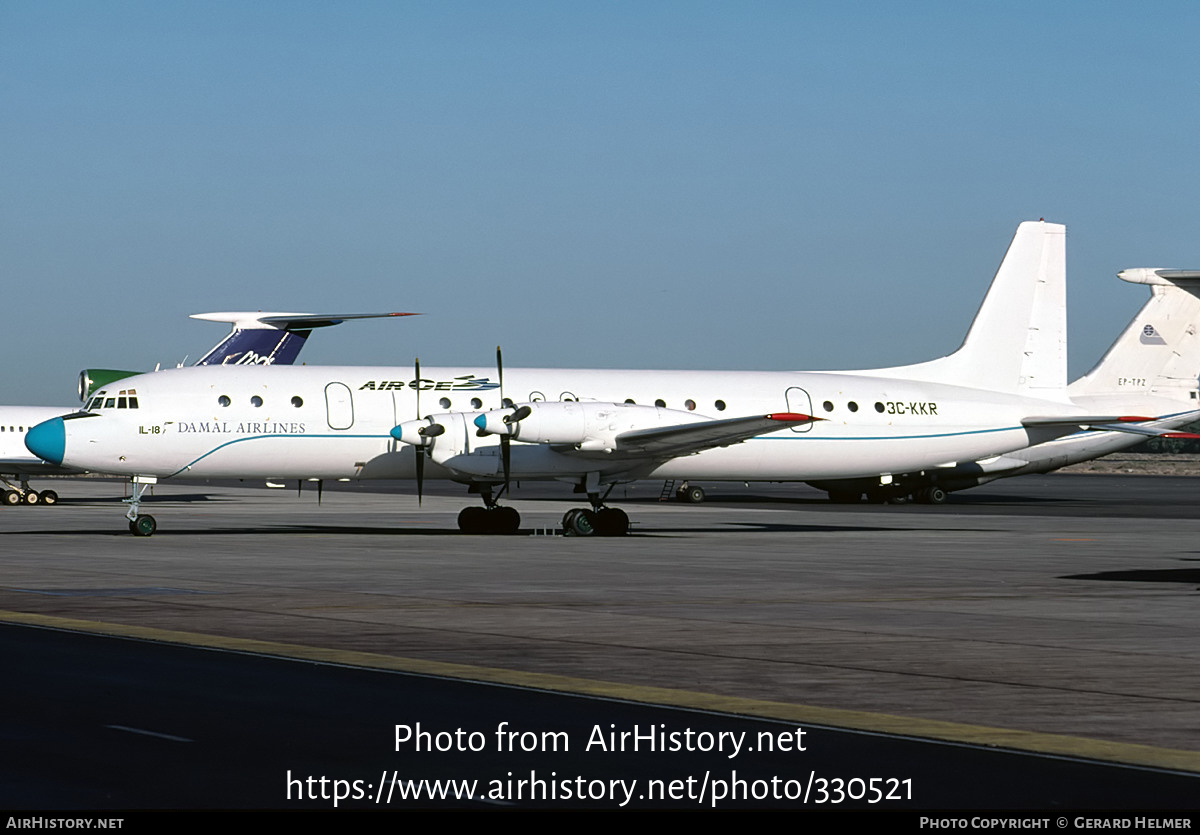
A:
(1158, 354)
(1018, 341)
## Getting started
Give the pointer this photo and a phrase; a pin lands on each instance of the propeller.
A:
(420, 450)
(505, 440)
(518, 416)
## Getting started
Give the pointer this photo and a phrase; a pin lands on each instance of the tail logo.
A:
(1150, 336)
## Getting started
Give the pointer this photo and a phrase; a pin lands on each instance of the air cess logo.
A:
(468, 382)
(248, 358)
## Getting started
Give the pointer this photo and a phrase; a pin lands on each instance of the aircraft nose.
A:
(48, 440)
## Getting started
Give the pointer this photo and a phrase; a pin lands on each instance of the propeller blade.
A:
(500, 376)
(506, 457)
(419, 450)
(505, 441)
(417, 381)
(420, 473)
(519, 415)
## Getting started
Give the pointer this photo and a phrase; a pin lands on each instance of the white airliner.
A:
(255, 338)
(1003, 392)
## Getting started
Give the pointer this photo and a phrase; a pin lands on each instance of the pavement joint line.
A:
(1061, 745)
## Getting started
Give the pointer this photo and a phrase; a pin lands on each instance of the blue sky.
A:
(653, 185)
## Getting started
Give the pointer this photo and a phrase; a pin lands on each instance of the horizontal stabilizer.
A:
(258, 320)
(1083, 420)
(1108, 423)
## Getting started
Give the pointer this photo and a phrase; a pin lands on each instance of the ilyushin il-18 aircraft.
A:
(255, 338)
(1001, 394)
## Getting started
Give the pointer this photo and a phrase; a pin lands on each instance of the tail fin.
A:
(1158, 354)
(256, 346)
(271, 338)
(1018, 341)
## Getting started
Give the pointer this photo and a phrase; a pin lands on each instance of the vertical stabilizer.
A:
(1158, 354)
(1018, 341)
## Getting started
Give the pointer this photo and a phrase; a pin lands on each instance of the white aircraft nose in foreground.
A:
(1003, 391)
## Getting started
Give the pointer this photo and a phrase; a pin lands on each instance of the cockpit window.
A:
(124, 399)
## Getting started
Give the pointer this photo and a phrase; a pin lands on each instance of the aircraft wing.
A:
(34, 466)
(1108, 423)
(688, 438)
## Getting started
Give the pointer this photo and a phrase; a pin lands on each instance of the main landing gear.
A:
(24, 494)
(924, 495)
(597, 520)
(143, 524)
(493, 518)
(489, 519)
(601, 521)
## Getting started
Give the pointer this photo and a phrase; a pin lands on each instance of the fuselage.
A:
(15, 421)
(334, 422)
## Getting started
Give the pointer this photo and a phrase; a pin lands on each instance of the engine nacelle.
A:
(419, 433)
(93, 379)
(589, 426)
(451, 440)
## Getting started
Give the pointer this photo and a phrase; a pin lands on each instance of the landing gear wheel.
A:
(470, 519)
(11, 498)
(692, 495)
(49, 497)
(930, 495)
(505, 520)
(143, 526)
(579, 522)
(612, 521)
(501, 520)
(31, 497)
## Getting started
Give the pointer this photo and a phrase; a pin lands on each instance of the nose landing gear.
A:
(140, 525)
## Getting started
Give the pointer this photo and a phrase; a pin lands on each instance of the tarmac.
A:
(1048, 613)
